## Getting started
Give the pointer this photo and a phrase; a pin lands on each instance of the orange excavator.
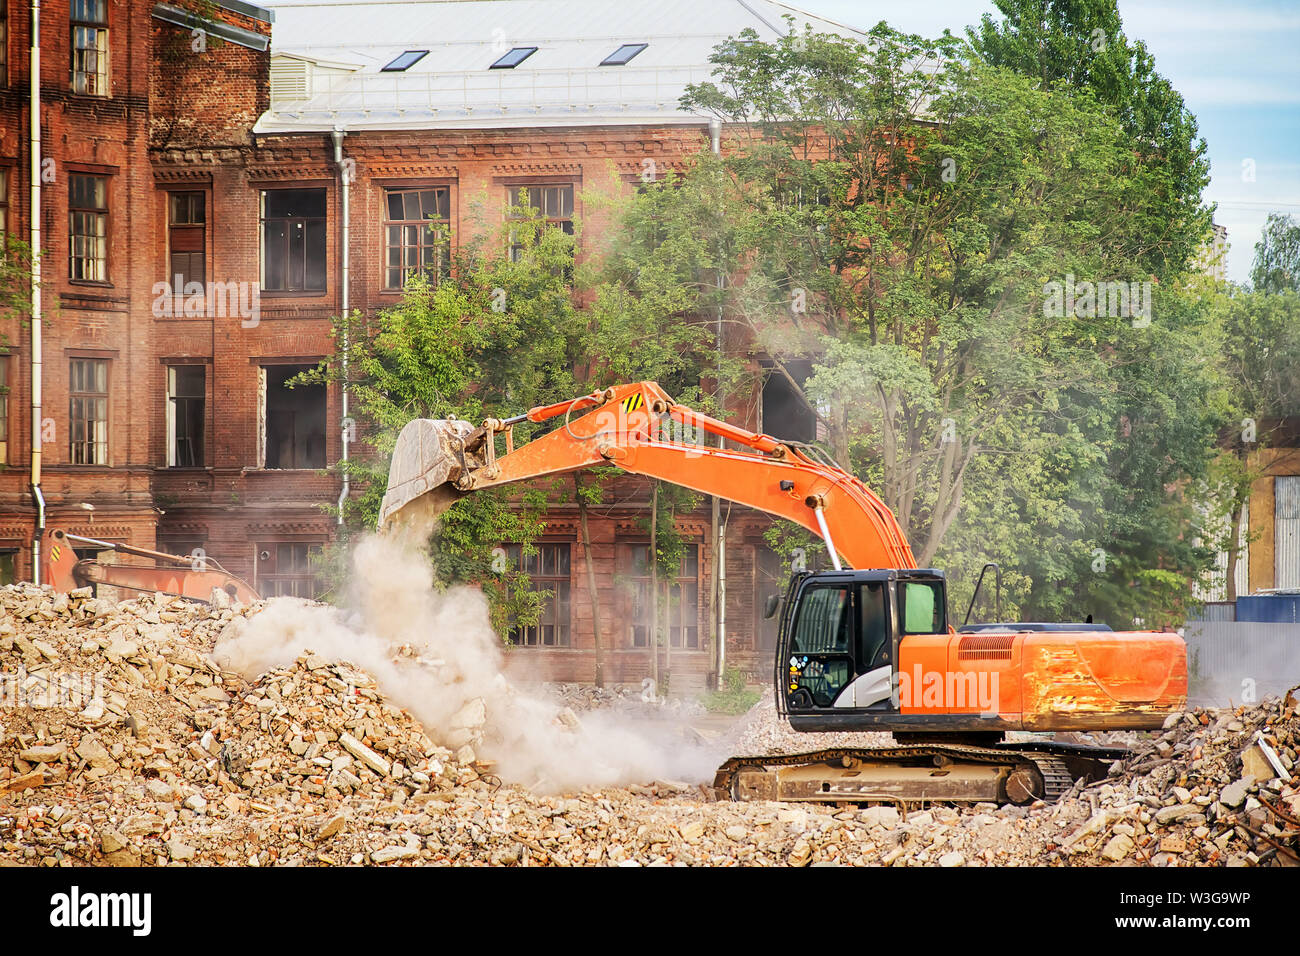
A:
(194, 576)
(866, 646)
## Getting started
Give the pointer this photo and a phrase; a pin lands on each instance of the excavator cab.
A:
(840, 634)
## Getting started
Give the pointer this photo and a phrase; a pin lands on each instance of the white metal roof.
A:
(328, 55)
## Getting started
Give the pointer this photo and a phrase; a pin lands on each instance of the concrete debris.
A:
(123, 743)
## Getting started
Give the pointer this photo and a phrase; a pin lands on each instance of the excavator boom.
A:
(641, 430)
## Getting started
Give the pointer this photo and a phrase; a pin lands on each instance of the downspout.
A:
(35, 218)
(344, 178)
(719, 529)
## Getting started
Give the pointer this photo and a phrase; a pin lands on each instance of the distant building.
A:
(1213, 258)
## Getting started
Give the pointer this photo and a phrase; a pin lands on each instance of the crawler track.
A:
(934, 773)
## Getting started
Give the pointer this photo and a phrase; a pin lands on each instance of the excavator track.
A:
(930, 773)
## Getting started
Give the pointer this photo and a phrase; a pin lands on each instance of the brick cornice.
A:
(537, 168)
(400, 170)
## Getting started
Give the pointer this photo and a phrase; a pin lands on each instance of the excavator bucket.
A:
(428, 458)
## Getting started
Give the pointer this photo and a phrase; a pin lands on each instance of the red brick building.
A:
(195, 153)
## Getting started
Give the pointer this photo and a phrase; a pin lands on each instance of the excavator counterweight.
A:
(863, 647)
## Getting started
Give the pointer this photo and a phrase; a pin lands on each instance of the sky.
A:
(1237, 65)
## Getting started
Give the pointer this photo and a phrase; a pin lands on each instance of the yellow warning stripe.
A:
(632, 403)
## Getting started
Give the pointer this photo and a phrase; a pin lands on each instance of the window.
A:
(88, 227)
(288, 568)
(549, 571)
(417, 231)
(922, 607)
(90, 47)
(294, 420)
(554, 203)
(185, 386)
(681, 618)
(88, 412)
(623, 54)
(4, 42)
(8, 566)
(4, 409)
(513, 58)
(186, 243)
(405, 61)
(785, 413)
(293, 240)
(4, 183)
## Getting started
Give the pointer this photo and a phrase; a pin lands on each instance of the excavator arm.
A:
(639, 429)
(188, 577)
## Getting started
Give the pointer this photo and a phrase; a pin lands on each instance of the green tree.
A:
(910, 231)
(1079, 45)
(1277, 256)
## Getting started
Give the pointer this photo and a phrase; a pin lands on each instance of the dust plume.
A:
(435, 654)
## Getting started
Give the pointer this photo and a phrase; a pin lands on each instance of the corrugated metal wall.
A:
(1229, 661)
(1286, 541)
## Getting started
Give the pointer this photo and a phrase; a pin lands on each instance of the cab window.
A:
(922, 610)
(823, 624)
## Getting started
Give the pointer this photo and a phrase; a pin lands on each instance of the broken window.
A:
(88, 412)
(417, 232)
(552, 203)
(90, 47)
(88, 228)
(288, 568)
(549, 571)
(186, 244)
(185, 398)
(786, 415)
(681, 615)
(293, 419)
(293, 240)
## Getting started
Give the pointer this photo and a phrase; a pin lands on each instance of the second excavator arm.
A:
(638, 428)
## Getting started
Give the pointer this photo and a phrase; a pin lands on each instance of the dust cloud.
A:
(435, 654)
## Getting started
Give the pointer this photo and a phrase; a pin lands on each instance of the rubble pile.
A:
(1217, 787)
(123, 742)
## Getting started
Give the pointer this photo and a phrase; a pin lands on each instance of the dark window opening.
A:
(295, 420)
(417, 235)
(405, 61)
(785, 413)
(8, 566)
(185, 402)
(513, 58)
(293, 240)
(186, 243)
(549, 570)
(623, 54)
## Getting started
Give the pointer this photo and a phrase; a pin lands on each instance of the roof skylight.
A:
(513, 58)
(405, 61)
(623, 54)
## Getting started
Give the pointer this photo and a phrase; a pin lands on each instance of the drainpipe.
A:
(35, 218)
(343, 187)
(718, 528)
